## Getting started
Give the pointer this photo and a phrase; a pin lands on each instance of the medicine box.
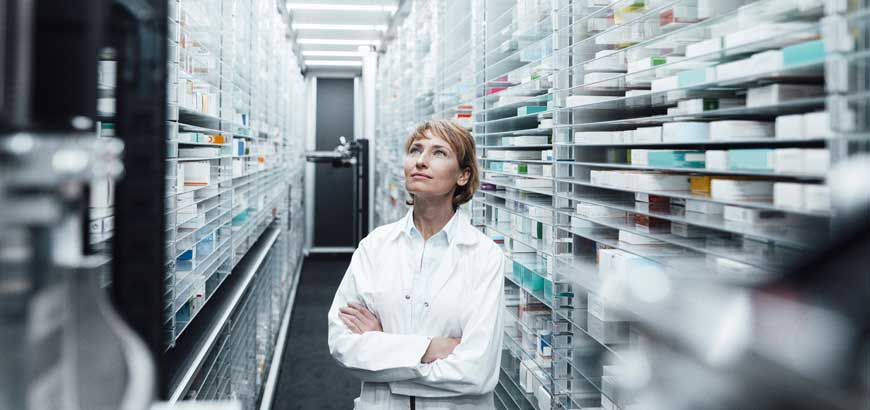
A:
(753, 216)
(685, 131)
(740, 129)
(527, 140)
(675, 158)
(760, 159)
(789, 195)
(665, 84)
(790, 126)
(604, 79)
(608, 332)
(597, 211)
(704, 207)
(700, 184)
(530, 109)
(197, 173)
(716, 160)
(647, 134)
(779, 93)
(647, 224)
(659, 182)
(607, 60)
(818, 198)
(804, 53)
(594, 137)
(741, 190)
(697, 76)
(704, 47)
(803, 161)
(685, 230)
(817, 125)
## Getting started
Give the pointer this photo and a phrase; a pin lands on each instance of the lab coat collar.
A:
(459, 229)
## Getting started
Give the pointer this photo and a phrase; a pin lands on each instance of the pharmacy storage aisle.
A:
(195, 107)
(630, 144)
(310, 378)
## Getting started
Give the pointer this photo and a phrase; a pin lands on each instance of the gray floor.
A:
(310, 379)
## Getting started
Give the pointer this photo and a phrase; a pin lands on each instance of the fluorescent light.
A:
(341, 7)
(316, 53)
(349, 27)
(333, 63)
(326, 41)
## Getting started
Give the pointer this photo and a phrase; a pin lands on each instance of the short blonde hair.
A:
(462, 143)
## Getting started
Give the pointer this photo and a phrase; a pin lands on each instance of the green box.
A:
(531, 109)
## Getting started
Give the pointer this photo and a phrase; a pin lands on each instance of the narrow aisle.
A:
(310, 379)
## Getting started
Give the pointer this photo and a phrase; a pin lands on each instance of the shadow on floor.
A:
(310, 379)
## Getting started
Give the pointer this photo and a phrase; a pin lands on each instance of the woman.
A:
(418, 315)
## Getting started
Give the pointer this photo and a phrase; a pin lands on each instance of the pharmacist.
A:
(418, 315)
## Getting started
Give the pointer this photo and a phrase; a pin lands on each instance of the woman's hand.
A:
(359, 319)
(440, 348)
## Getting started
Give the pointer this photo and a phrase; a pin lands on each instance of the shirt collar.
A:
(460, 231)
(449, 230)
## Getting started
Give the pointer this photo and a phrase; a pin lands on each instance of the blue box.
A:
(693, 77)
(758, 159)
(676, 159)
(804, 53)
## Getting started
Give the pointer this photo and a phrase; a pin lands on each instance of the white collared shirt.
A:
(429, 253)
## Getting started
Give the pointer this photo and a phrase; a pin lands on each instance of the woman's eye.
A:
(440, 153)
(414, 151)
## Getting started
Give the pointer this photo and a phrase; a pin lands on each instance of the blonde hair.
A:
(462, 143)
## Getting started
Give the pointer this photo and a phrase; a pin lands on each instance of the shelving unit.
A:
(232, 132)
(603, 137)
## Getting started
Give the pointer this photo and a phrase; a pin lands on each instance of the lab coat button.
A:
(426, 304)
(407, 297)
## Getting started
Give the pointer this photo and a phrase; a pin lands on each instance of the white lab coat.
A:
(465, 300)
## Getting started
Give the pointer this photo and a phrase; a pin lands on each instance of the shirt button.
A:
(426, 304)
(407, 297)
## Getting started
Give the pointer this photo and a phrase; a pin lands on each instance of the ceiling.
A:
(330, 32)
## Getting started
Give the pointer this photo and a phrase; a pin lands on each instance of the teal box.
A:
(804, 53)
(518, 272)
(531, 109)
(759, 159)
(548, 291)
(676, 159)
(496, 166)
(533, 282)
(692, 77)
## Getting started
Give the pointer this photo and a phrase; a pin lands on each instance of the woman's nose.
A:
(422, 160)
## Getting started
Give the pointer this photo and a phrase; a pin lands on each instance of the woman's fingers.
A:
(362, 310)
(352, 323)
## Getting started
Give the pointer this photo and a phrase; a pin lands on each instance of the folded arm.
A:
(372, 356)
(472, 368)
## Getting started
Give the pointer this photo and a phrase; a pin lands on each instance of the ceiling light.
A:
(341, 7)
(333, 63)
(318, 53)
(361, 27)
(326, 41)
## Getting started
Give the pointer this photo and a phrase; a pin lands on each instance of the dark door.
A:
(333, 189)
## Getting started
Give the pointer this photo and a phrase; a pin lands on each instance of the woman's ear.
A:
(464, 177)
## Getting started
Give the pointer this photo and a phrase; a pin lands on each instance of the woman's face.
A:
(432, 168)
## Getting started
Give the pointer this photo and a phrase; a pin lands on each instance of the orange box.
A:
(700, 184)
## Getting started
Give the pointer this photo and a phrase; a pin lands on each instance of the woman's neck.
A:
(431, 216)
